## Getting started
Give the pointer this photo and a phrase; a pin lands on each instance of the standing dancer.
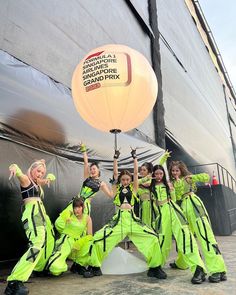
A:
(171, 220)
(144, 194)
(37, 225)
(92, 183)
(125, 223)
(185, 186)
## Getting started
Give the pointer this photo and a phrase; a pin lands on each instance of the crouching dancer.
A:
(71, 225)
(125, 223)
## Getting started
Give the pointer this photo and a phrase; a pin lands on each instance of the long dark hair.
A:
(148, 165)
(164, 180)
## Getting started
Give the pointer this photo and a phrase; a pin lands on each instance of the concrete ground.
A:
(178, 281)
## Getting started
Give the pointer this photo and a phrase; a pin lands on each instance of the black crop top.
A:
(31, 191)
(125, 193)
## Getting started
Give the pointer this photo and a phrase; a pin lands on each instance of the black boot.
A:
(16, 288)
(157, 272)
(92, 271)
(217, 277)
(74, 267)
(199, 276)
(77, 268)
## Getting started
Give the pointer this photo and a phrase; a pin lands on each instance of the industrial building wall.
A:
(193, 95)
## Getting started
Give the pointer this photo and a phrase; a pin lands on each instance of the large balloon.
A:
(114, 88)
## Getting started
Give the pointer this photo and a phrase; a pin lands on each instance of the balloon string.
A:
(116, 148)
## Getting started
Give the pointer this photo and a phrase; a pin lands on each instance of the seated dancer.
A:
(171, 220)
(185, 187)
(71, 225)
(37, 225)
(125, 223)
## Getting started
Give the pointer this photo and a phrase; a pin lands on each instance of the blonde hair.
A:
(34, 165)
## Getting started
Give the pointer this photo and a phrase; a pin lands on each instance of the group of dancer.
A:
(166, 208)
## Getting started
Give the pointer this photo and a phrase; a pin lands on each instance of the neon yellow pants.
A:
(171, 220)
(38, 229)
(146, 212)
(68, 247)
(123, 224)
(199, 222)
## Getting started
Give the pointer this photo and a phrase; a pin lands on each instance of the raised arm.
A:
(115, 164)
(16, 171)
(135, 180)
(86, 164)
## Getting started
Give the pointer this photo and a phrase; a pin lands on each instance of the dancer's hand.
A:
(133, 153)
(170, 185)
(188, 178)
(116, 154)
(164, 158)
(15, 171)
(12, 170)
(82, 147)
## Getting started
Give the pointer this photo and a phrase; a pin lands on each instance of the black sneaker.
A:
(215, 277)
(157, 272)
(173, 265)
(88, 273)
(16, 288)
(199, 276)
(96, 271)
(223, 276)
(77, 268)
(92, 271)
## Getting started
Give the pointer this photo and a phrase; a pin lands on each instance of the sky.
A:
(221, 18)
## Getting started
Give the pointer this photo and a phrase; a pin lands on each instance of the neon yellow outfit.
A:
(88, 190)
(171, 220)
(199, 222)
(125, 223)
(70, 242)
(39, 231)
(146, 202)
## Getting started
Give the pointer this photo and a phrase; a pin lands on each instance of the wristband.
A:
(19, 173)
(51, 177)
(117, 154)
(83, 148)
(133, 154)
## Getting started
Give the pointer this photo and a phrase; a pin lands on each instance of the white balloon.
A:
(114, 87)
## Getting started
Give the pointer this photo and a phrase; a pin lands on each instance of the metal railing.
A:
(222, 175)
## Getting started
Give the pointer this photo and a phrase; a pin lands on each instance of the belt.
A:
(145, 197)
(162, 202)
